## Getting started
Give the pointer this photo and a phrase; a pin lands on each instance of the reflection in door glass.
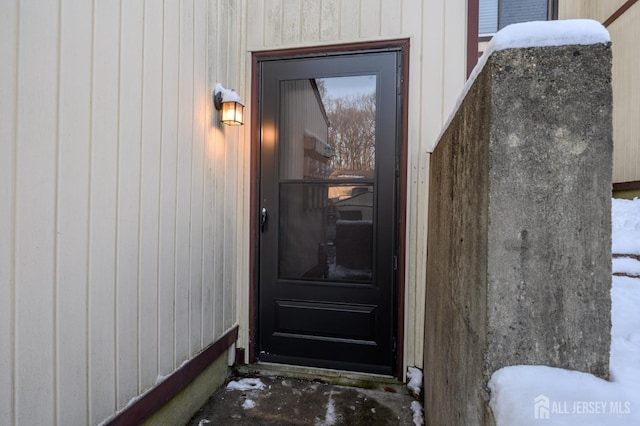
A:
(351, 108)
(326, 171)
(327, 127)
(326, 231)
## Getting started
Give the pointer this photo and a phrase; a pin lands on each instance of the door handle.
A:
(264, 216)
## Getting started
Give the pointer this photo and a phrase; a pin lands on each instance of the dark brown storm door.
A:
(328, 200)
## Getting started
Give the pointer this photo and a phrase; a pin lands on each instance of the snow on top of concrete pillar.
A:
(536, 34)
(549, 33)
(540, 34)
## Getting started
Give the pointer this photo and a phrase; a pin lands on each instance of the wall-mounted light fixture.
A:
(229, 104)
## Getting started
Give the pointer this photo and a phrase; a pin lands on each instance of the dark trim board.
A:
(627, 186)
(402, 207)
(473, 11)
(618, 13)
(324, 50)
(153, 400)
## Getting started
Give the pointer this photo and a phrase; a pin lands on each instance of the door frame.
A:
(402, 45)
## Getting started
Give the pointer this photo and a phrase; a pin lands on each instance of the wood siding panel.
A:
(625, 37)
(229, 220)
(417, 178)
(8, 83)
(214, 149)
(35, 211)
(391, 18)
(230, 239)
(208, 243)
(587, 9)
(150, 193)
(455, 59)
(73, 213)
(200, 99)
(168, 188)
(206, 121)
(234, 58)
(291, 23)
(237, 151)
(349, 20)
(433, 113)
(217, 163)
(183, 200)
(329, 20)
(128, 202)
(255, 20)
(218, 228)
(273, 21)
(310, 17)
(370, 18)
(242, 139)
(103, 212)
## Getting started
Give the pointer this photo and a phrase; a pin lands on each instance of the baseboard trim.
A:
(155, 398)
(625, 186)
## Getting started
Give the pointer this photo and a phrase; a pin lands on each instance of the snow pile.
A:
(534, 395)
(248, 404)
(625, 229)
(415, 386)
(549, 33)
(415, 381)
(246, 385)
(418, 418)
(160, 379)
(203, 422)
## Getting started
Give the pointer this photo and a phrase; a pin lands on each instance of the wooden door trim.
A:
(403, 46)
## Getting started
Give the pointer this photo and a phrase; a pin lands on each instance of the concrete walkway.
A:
(270, 399)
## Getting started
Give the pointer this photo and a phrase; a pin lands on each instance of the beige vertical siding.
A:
(122, 209)
(8, 128)
(588, 9)
(72, 192)
(625, 38)
(101, 305)
(437, 33)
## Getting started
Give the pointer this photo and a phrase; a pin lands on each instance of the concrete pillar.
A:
(519, 252)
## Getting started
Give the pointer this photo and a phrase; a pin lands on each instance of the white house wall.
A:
(437, 33)
(121, 200)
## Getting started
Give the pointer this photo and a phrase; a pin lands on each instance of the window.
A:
(497, 14)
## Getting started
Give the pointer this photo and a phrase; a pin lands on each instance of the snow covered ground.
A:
(539, 395)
